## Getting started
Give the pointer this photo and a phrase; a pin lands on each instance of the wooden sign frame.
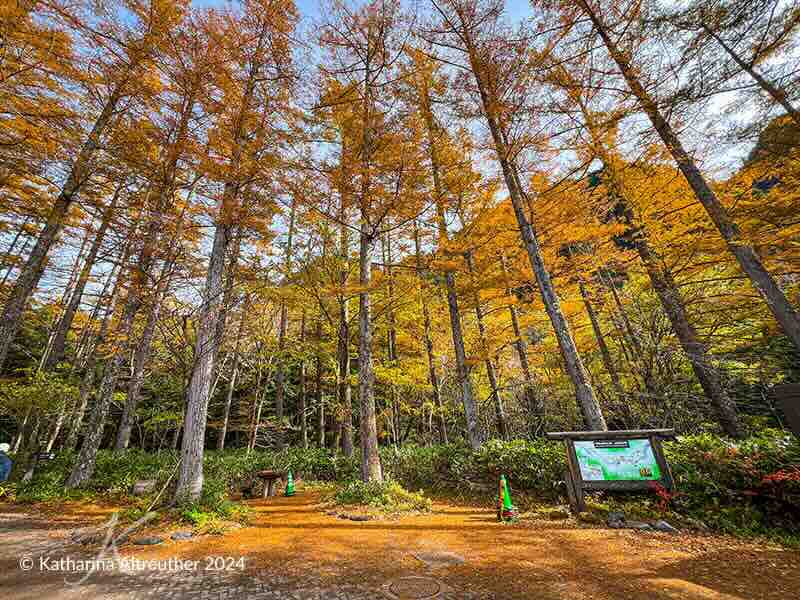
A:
(577, 486)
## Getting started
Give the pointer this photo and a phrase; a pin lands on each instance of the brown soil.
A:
(532, 559)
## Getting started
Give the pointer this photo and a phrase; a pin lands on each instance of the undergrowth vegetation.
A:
(749, 487)
(387, 496)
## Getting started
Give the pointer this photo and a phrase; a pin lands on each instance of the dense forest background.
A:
(393, 223)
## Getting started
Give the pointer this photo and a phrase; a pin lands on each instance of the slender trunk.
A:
(11, 249)
(18, 438)
(280, 383)
(743, 251)
(345, 391)
(256, 424)
(433, 376)
(532, 398)
(46, 362)
(695, 350)
(90, 366)
(343, 341)
(462, 370)
(142, 352)
(499, 411)
(84, 468)
(777, 94)
(391, 337)
(255, 413)
(57, 425)
(141, 355)
(585, 397)
(318, 396)
(31, 273)
(601, 343)
(231, 270)
(301, 404)
(65, 323)
(226, 411)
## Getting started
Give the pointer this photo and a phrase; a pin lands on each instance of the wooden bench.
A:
(270, 478)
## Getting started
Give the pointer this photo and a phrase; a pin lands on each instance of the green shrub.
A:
(387, 495)
(536, 466)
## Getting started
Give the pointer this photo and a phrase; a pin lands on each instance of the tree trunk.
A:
(499, 411)
(433, 376)
(774, 92)
(587, 402)
(601, 343)
(467, 395)
(391, 338)
(31, 273)
(209, 335)
(226, 411)
(370, 459)
(695, 350)
(84, 468)
(66, 299)
(255, 411)
(301, 404)
(141, 355)
(280, 378)
(90, 366)
(318, 396)
(532, 398)
(343, 358)
(668, 294)
(190, 477)
(12, 248)
(142, 351)
(56, 354)
(343, 341)
(745, 254)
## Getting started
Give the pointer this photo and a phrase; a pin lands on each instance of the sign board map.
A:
(617, 460)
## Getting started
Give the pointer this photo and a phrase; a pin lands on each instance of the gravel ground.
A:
(295, 550)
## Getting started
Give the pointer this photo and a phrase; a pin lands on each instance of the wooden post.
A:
(666, 473)
(577, 481)
(573, 499)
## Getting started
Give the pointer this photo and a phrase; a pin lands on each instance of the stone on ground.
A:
(147, 541)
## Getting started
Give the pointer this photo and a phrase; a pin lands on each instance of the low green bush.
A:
(536, 466)
(388, 496)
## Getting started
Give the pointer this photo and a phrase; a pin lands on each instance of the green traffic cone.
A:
(289, 484)
(508, 511)
(506, 495)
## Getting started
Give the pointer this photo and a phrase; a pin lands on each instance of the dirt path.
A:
(294, 550)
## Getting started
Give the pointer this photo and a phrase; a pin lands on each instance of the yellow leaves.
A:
(446, 266)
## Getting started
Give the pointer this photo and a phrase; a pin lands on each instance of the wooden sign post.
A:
(628, 460)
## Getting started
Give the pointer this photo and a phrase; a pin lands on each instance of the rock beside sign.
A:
(617, 520)
(664, 526)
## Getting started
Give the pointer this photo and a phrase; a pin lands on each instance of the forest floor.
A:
(294, 549)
